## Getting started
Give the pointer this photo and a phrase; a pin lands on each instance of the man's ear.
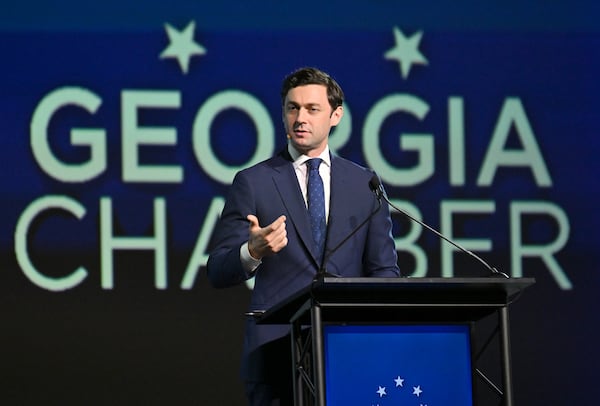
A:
(336, 116)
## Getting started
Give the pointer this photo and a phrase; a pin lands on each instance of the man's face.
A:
(308, 118)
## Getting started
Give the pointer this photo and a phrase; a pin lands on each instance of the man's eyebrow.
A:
(309, 104)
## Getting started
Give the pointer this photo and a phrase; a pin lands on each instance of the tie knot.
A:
(314, 163)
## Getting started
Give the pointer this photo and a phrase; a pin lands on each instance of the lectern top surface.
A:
(417, 292)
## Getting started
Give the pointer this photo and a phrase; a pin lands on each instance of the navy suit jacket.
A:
(270, 189)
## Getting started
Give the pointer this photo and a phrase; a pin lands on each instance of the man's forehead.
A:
(313, 93)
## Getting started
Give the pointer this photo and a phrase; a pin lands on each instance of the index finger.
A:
(277, 223)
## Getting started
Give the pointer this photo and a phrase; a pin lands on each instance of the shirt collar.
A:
(299, 158)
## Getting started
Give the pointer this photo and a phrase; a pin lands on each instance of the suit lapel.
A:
(338, 205)
(287, 186)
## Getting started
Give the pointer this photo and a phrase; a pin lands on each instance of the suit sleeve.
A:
(380, 258)
(224, 267)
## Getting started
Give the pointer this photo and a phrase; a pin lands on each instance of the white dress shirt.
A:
(302, 173)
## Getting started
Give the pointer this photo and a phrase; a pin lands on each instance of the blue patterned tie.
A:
(316, 204)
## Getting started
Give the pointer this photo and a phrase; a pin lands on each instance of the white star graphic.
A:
(182, 45)
(406, 51)
(399, 381)
(381, 391)
(417, 390)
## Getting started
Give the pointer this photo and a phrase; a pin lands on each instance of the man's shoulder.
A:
(276, 162)
(350, 168)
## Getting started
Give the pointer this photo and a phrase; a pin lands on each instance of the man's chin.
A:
(300, 145)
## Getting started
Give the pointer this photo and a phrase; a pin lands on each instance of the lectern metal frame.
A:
(398, 300)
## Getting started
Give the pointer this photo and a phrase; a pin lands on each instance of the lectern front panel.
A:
(398, 364)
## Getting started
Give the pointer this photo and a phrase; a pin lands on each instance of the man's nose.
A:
(301, 116)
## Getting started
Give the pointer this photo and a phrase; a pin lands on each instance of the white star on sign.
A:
(406, 51)
(399, 381)
(182, 45)
(417, 390)
(381, 391)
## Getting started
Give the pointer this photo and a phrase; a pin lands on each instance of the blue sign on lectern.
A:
(398, 364)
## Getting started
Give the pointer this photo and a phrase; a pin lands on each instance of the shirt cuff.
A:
(248, 262)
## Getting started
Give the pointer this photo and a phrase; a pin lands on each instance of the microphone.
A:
(377, 188)
(322, 272)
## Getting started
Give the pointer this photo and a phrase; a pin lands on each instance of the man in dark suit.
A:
(268, 229)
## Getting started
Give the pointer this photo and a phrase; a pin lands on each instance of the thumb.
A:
(253, 221)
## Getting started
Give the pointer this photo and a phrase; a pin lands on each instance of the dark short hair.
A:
(313, 76)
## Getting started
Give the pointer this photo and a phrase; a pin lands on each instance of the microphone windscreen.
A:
(374, 183)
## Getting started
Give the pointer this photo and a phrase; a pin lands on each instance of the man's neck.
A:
(295, 154)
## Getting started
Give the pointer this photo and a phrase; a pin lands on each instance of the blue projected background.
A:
(122, 126)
